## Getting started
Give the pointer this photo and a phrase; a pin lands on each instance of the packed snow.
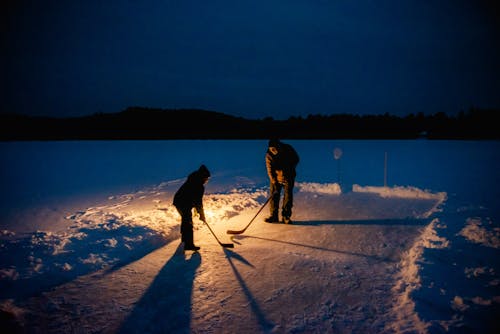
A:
(90, 241)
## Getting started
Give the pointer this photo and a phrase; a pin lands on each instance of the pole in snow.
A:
(337, 154)
(385, 169)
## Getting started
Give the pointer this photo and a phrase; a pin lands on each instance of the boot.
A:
(191, 247)
(271, 219)
(287, 220)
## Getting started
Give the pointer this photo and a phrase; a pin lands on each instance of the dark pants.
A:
(186, 225)
(275, 189)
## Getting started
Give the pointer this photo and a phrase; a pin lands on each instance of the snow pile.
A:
(399, 191)
(479, 272)
(407, 193)
(482, 233)
(220, 207)
(459, 304)
(325, 188)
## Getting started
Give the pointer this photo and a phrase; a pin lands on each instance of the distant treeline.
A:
(147, 123)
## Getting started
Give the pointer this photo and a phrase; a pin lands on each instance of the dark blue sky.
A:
(250, 58)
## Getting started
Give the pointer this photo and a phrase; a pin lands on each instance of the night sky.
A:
(250, 58)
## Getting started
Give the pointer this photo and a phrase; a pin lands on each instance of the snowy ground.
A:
(358, 259)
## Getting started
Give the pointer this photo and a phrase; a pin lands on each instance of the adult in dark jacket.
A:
(189, 196)
(281, 163)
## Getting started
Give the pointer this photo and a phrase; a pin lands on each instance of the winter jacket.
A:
(282, 166)
(190, 194)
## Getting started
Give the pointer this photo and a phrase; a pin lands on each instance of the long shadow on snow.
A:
(264, 323)
(44, 261)
(384, 222)
(166, 305)
(373, 257)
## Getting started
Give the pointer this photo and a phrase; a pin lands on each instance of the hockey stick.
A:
(243, 230)
(227, 245)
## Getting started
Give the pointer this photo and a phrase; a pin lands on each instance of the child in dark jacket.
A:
(189, 196)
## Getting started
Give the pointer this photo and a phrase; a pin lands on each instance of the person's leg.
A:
(275, 193)
(186, 226)
(286, 212)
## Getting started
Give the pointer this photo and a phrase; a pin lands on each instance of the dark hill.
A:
(147, 123)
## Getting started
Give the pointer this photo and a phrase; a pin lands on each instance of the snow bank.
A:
(408, 280)
(321, 188)
(406, 193)
(401, 192)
